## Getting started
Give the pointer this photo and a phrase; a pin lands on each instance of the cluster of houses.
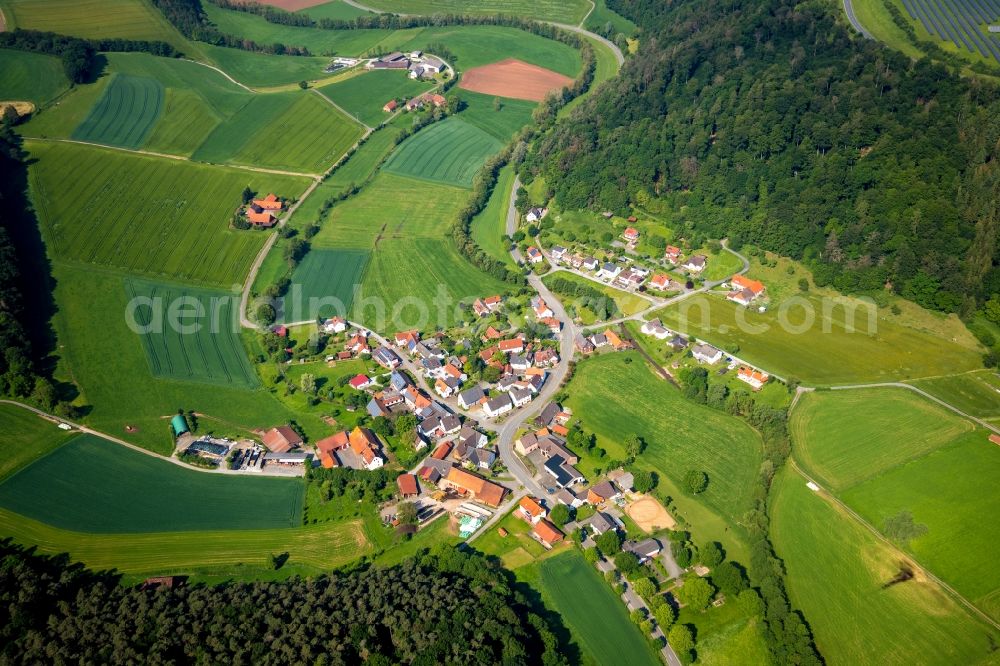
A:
(359, 449)
(694, 264)
(417, 63)
(743, 290)
(589, 344)
(263, 213)
(628, 277)
(418, 102)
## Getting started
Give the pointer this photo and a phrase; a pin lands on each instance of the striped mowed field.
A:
(450, 151)
(125, 113)
(323, 284)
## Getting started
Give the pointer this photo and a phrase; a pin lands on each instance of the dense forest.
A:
(768, 122)
(442, 607)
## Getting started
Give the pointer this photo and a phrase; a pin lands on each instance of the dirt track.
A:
(515, 79)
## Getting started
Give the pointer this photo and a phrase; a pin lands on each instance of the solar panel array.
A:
(961, 22)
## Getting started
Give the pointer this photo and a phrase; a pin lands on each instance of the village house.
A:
(541, 308)
(753, 377)
(511, 346)
(531, 510)
(362, 442)
(485, 306)
(615, 341)
(498, 405)
(394, 60)
(534, 255)
(547, 357)
(554, 324)
(491, 334)
(706, 354)
(602, 522)
(677, 343)
(404, 338)
(672, 254)
(473, 397)
(696, 263)
(663, 282)
(744, 290)
(557, 252)
(390, 106)
(407, 484)
(547, 533)
(590, 263)
(624, 480)
(536, 214)
(599, 340)
(521, 396)
(583, 344)
(631, 235)
(472, 438)
(358, 344)
(519, 363)
(282, 439)
(562, 472)
(446, 386)
(387, 358)
(576, 261)
(609, 270)
(553, 413)
(334, 325)
(655, 328)
(476, 487)
(644, 550)
(360, 382)
(602, 492)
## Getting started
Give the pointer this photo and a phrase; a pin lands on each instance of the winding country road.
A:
(853, 18)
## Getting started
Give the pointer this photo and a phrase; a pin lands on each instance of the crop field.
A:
(211, 352)
(132, 19)
(321, 276)
(450, 151)
(282, 131)
(680, 434)
(186, 124)
(92, 332)
(482, 112)
(125, 114)
(959, 23)
(260, 70)
(854, 618)
(845, 437)
(409, 276)
(515, 79)
(597, 618)
(337, 10)
(34, 438)
(489, 227)
(952, 491)
(150, 215)
(364, 96)
(975, 393)
(32, 77)
(93, 485)
(571, 11)
(391, 206)
(312, 549)
(848, 342)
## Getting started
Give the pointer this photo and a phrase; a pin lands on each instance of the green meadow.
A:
(33, 438)
(837, 572)
(489, 227)
(324, 275)
(570, 11)
(975, 393)
(364, 96)
(160, 217)
(450, 151)
(210, 352)
(261, 70)
(31, 77)
(602, 16)
(500, 116)
(124, 114)
(93, 485)
(337, 10)
(822, 341)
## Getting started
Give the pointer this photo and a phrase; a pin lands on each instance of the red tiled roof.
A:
(548, 532)
(407, 485)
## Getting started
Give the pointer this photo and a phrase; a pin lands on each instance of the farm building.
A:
(478, 488)
(407, 485)
(282, 439)
(179, 424)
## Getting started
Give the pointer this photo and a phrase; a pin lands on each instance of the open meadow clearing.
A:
(150, 215)
(228, 553)
(845, 437)
(680, 435)
(363, 96)
(337, 10)
(93, 485)
(836, 573)
(975, 393)
(501, 117)
(212, 353)
(952, 491)
(320, 276)
(489, 227)
(450, 151)
(391, 206)
(594, 613)
(33, 437)
(92, 330)
(32, 77)
(847, 342)
(569, 11)
(124, 114)
(262, 70)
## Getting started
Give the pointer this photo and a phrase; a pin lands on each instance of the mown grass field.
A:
(571, 11)
(501, 121)
(449, 152)
(225, 553)
(489, 227)
(31, 438)
(31, 77)
(824, 347)
(210, 352)
(680, 434)
(364, 96)
(845, 437)
(93, 485)
(975, 393)
(323, 284)
(260, 70)
(836, 570)
(391, 206)
(149, 215)
(125, 113)
(337, 10)
(952, 491)
(597, 618)
(293, 131)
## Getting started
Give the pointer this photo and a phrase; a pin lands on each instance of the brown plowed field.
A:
(513, 78)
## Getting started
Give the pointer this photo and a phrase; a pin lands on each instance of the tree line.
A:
(442, 606)
(769, 123)
(188, 16)
(78, 55)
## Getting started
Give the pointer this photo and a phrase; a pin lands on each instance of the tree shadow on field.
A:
(98, 68)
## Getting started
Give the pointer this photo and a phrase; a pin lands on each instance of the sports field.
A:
(570, 11)
(31, 437)
(93, 485)
(680, 434)
(293, 131)
(489, 227)
(149, 215)
(203, 348)
(845, 437)
(125, 113)
(323, 284)
(597, 618)
(32, 77)
(836, 345)
(364, 96)
(449, 151)
(853, 617)
(975, 393)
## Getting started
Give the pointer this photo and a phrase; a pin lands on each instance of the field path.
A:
(341, 109)
(223, 72)
(924, 393)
